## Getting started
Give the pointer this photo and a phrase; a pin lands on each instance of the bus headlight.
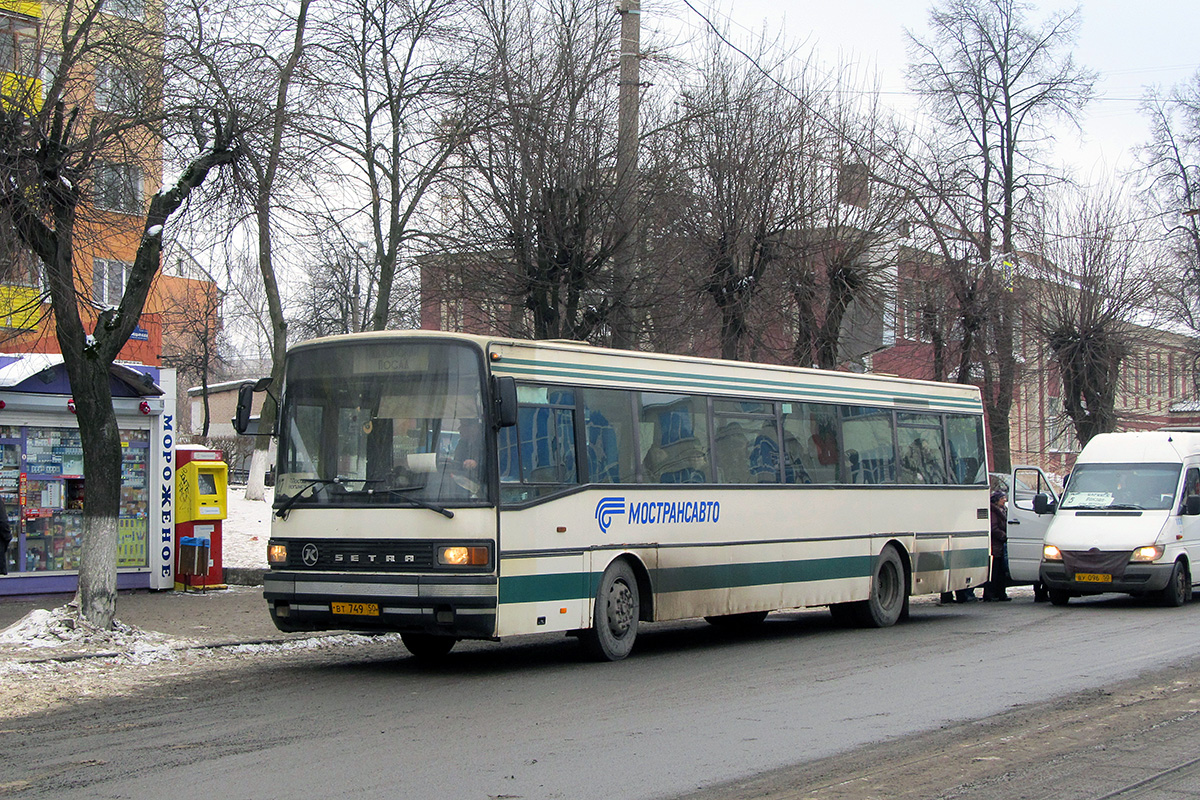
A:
(1151, 552)
(1051, 553)
(277, 554)
(462, 556)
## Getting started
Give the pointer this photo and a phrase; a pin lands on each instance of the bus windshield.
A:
(1143, 487)
(396, 424)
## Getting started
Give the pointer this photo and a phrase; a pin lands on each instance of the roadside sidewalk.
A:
(192, 619)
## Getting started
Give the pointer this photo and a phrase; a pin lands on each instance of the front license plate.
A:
(357, 609)
(1093, 577)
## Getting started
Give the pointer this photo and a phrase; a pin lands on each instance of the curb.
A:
(243, 576)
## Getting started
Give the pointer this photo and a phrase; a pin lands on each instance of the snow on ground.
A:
(245, 531)
(52, 657)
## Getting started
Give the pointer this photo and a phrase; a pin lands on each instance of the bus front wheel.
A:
(426, 646)
(889, 592)
(615, 614)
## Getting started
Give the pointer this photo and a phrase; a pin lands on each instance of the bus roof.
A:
(580, 363)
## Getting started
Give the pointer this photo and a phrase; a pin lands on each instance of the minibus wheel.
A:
(1058, 597)
(1178, 588)
(614, 615)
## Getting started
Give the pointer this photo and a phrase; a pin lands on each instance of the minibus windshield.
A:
(1143, 487)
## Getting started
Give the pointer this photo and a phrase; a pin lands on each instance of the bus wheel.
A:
(889, 592)
(615, 615)
(1058, 597)
(1178, 588)
(427, 646)
(732, 622)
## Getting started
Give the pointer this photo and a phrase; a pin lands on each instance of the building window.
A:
(118, 187)
(108, 281)
(129, 9)
(116, 89)
(51, 63)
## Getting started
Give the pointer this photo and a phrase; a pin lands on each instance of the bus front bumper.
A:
(1138, 579)
(462, 606)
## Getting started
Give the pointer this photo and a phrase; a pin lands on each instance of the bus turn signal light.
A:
(277, 554)
(459, 556)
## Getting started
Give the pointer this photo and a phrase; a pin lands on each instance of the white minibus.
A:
(1128, 520)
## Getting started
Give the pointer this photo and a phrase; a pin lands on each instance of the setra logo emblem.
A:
(606, 509)
(309, 555)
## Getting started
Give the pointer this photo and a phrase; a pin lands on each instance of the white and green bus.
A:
(461, 487)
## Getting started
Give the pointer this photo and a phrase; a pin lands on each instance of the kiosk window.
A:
(206, 483)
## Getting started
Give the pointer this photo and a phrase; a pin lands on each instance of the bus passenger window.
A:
(922, 456)
(676, 444)
(746, 442)
(608, 431)
(810, 442)
(870, 451)
(964, 439)
(542, 451)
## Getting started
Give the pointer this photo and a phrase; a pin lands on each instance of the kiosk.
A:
(201, 503)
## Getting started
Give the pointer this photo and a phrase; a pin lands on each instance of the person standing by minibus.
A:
(996, 589)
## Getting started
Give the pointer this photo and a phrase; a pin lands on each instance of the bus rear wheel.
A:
(889, 592)
(614, 615)
(427, 646)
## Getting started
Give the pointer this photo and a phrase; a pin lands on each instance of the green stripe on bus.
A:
(728, 576)
(574, 586)
(953, 559)
(544, 588)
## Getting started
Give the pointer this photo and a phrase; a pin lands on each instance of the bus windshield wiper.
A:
(417, 501)
(317, 484)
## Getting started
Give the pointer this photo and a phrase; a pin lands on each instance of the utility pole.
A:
(625, 257)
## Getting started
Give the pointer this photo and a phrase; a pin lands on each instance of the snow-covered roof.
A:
(16, 369)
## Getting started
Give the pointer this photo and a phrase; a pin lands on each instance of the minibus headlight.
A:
(276, 553)
(1151, 552)
(1051, 553)
(462, 556)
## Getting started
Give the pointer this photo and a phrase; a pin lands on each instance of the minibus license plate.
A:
(357, 609)
(1093, 577)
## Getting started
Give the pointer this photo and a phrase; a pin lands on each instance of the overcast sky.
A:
(1130, 43)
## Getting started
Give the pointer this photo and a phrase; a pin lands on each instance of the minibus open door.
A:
(1026, 527)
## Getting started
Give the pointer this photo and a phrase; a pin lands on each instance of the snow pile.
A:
(311, 643)
(63, 627)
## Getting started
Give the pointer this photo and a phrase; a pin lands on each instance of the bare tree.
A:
(742, 139)
(247, 58)
(993, 81)
(1095, 287)
(538, 192)
(1171, 160)
(393, 76)
(67, 159)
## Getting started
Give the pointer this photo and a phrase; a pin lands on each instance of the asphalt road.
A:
(693, 708)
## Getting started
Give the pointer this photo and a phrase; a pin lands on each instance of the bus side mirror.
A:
(1042, 504)
(504, 401)
(242, 418)
(1192, 505)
